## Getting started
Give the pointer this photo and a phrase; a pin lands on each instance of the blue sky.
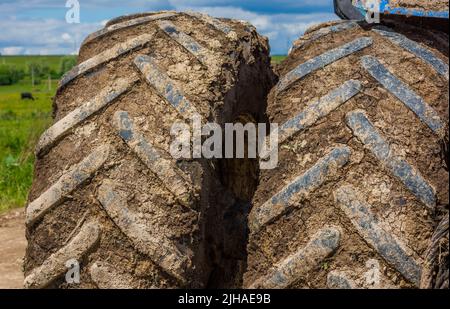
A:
(39, 26)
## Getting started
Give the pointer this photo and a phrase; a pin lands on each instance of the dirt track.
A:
(12, 249)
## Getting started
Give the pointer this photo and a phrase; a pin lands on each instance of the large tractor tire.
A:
(361, 182)
(108, 199)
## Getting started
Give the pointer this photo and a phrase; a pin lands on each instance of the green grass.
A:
(25, 86)
(21, 124)
(277, 59)
(21, 62)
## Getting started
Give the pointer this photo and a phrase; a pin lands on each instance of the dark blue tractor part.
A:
(357, 9)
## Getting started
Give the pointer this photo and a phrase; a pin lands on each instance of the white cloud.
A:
(55, 36)
(46, 36)
(255, 5)
(16, 6)
(12, 50)
(66, 37)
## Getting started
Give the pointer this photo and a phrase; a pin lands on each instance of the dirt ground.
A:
(12, 249)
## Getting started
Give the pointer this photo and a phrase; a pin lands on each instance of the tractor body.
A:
(433, 13)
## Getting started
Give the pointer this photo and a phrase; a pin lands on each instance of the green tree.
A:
(66, 64)
(38, 71)
(35, 69)
(10, 75)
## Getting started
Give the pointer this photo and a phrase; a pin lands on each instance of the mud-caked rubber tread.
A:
(392, 124)
(107, 160)
(322, 244)
(55, 264)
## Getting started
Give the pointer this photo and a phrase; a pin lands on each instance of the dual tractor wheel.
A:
(357, 199)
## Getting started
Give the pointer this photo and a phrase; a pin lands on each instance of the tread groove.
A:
(165, 86)
(54, 266)
(107, 96)
(402, 92)
(217, 24)
(104, 56)
(368, 227)
(318, 109)
(298, 188)
(407, 174)
(159, 248)
(126, 24)
(184, 40)
(339, 280)
(314, 36)
(170, 175)
(419, 51)
(288, 271)
(106, 276)
(67, 183)
(321, 61)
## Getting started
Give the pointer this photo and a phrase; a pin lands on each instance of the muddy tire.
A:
(361, 183)
(107, 196)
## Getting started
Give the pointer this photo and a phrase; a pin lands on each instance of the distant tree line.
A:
(11, 74)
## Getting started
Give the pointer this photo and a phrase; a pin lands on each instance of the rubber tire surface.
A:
(338, 210)
(107, 197)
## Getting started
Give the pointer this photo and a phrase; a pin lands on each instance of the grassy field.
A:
(22, 62)
(21, 124)
(277, 59)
